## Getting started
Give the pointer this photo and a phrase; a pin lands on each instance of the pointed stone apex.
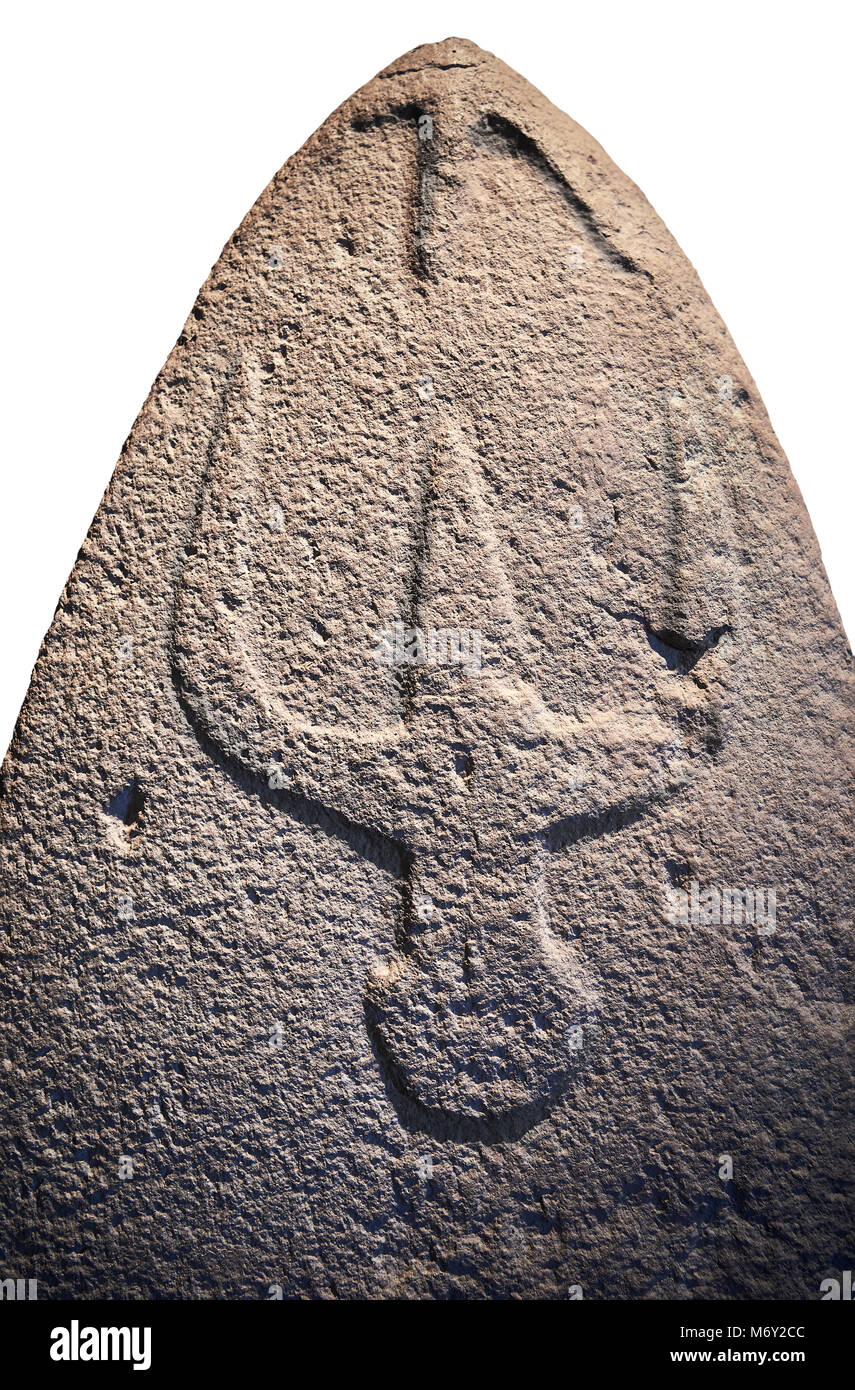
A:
(448, 54)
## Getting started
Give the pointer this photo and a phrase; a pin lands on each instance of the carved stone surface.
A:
(449, 658)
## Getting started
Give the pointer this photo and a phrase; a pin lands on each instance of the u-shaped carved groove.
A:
(499, 133)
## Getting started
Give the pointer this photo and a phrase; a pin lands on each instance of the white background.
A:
(137, 135)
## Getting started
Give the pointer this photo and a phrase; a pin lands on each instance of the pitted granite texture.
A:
(450, 656)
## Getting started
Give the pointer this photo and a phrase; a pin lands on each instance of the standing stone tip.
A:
(449, 53)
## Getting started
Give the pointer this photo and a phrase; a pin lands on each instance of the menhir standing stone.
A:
(426, 833)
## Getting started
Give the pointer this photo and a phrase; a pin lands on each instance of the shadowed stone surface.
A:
(451, 629)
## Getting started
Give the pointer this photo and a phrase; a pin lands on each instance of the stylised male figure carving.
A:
(347, 966)
(481, 1014)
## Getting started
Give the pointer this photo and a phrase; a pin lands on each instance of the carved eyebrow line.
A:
(499, 127)
(490, 129)
(421, 198)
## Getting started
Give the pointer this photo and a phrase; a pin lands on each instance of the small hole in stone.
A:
(464, 764)
(679, 873)
(127, 806)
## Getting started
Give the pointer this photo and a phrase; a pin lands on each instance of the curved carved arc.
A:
(501, 133)
(220, 688)
(444, 1123)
